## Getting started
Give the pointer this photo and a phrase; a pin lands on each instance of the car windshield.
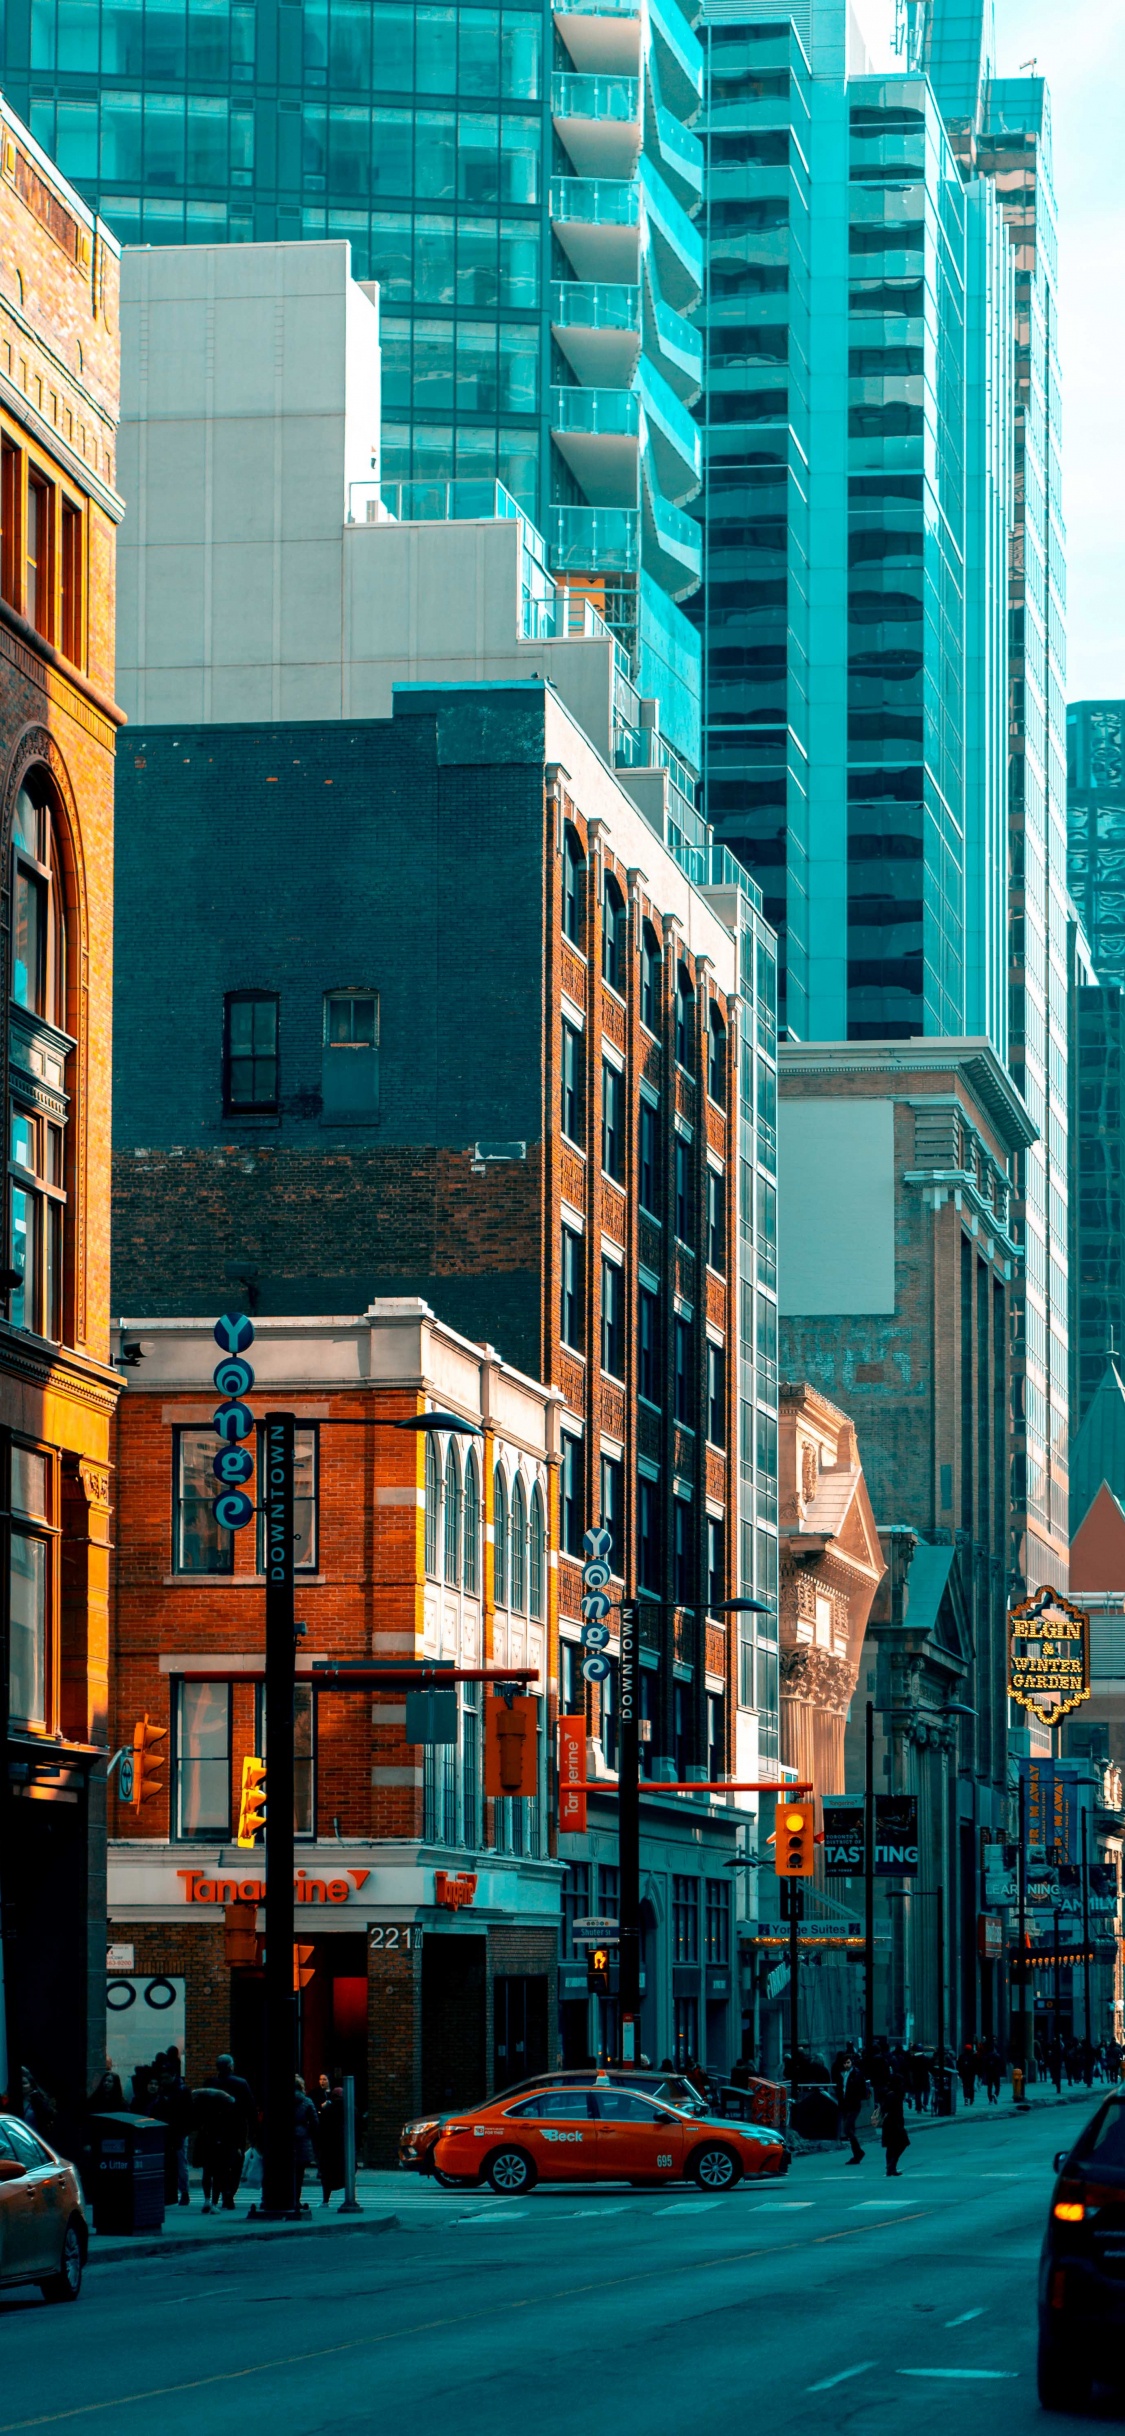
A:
(1103, 2141)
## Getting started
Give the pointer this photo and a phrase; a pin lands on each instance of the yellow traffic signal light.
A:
(252, 1807)
(147, 1762)
(597, 1970)
(302, 1967)
(511, 1750)
(794, 1839)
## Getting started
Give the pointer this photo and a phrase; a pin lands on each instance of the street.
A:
(834, 2300)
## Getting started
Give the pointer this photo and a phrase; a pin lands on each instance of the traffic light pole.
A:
(629, 1830)
(1088, 2030)
(279, 2194)
(794, 1894)
(869, 1888)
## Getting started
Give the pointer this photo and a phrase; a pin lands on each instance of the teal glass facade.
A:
(1095, 754)
(523, 183)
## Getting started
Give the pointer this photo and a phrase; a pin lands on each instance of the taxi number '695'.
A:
(664, 2161)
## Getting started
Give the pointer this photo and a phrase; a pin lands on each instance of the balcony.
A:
(598, 224)
(588, 539)
(672, 343)
(671, 542)
(602, 35)
(598, 433)
(680, 155)
(598, 329)
(673, 437)
(677, 247)
(598, 118)
(679, 57)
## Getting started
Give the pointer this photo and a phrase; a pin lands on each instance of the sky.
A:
(1079, 46)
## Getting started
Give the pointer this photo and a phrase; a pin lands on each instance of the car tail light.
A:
(1069, 2211)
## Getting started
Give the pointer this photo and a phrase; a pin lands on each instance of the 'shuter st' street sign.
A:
(1048, 1656)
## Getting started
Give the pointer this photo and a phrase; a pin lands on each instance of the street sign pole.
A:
(629, 1831)
(279, 2197)
(1021, 1889)
(1088, 2023)
(869, 1887)
(795, 1908)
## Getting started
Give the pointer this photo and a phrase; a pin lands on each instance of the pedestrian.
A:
(171, 2106)
(107, 2096)
(894, 2134)
(993, 2073)
(853, 2095)
(304, 2133)
(967, 2072)
(330, 2145)
(218, 2153)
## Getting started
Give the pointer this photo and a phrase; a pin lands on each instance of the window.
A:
(613, 1122)
(716, 1563)
(452, 1790)
(201, 1719)
(575, 1903)
(767, 1232)
(537, 1552)
(717, 1895)
(499, 1538)
(518, 1564)
(716, 1395)
(683, 1583)
(39, 554)
(305, 1452)
(610, 1715)
(304, 1754)
(648, 1534)
(573, 1086)
(648, 1159)
(38, 1206)
(470, 1543)
(452, 1516)
(651, 970)
(200, 1545)
(573, 879)
(572, 1520)
(350, 1057)
(433, 1507)
(10, 523)
(29, 1587)
(648, 1345)
(613, 1319)
(717, 1057)
(72, 581)
(613, 935)
(716, 1221)
(685, 1919)
(685, 2029)
(572, 1689)
(612, 1514)
(571, 1299)
(38, 1107)
(250, 1072)
(683, 1189)
(685, 1016)
(766, 1454)
(684, 1379)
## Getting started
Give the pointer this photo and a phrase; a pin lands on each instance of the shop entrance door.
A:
(453, 2019)
(519, 2029)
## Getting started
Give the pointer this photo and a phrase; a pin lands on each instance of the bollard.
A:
(351, 2206)
(1017, 2085)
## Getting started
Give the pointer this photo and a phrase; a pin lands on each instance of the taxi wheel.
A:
(67, 2284)
(511, 2172)
(715, 2169)
(1063, 2382)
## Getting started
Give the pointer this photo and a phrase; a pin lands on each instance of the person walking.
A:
(330, 2145)
(967, 2073)
(218, 2152)
(894, 2135)
(993, 2073)
(305, 2130)
(853, 2093)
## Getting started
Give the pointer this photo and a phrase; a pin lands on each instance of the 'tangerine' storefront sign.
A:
(200, 1887)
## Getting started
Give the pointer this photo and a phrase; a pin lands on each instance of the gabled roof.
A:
(934, 1599)
(1097, 1452)
(1097, 1551)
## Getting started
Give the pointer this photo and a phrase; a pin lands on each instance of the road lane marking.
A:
(616, 2207)
(991, 2374)
(468, 2317)
(825, 2384)
(879, 2203)
(774, 2207)
(688, 2207)
(493, 2216)
(965, 2316)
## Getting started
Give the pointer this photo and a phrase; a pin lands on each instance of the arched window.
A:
(613, 935)
(452, 1516)
(573, 881)
(651, 966)
(685, 1010)
(39, 1107)
(499, 1539)
(433, 1507)
(470, 1537)
(538, 1555)
(519, 1548)
(717, 1057)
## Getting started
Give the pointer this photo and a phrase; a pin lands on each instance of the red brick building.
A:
(59, 363)
(432, 1912)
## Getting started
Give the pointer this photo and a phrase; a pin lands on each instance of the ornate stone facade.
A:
(831, 1564)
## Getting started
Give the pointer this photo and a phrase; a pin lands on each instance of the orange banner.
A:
(572, 1776)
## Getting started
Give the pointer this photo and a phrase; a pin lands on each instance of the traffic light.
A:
(302, 1967)
(147, 1762)
(511, 1747)
(252, 1808)
(240, 1938)
(597, 1970)
(794, 1839)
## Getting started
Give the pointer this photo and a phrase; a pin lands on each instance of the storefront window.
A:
(685, 1919)
(200, 1545)
(29, 1581)
(202, 1761)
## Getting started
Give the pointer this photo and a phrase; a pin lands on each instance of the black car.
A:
(1082, 2267)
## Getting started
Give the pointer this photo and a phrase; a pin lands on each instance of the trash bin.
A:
(127, 2173)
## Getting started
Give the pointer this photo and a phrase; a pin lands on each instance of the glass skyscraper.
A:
(1095, 753)
(522, 181)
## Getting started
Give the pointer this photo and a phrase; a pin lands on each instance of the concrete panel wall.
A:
(836, 1190)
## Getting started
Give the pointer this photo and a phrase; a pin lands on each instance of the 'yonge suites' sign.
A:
(1048, 1656)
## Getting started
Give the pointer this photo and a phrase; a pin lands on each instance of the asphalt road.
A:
(837, 2300)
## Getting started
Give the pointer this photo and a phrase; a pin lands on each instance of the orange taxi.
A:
(600, 2133)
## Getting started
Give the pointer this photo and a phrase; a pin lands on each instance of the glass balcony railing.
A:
(675, 432)
(592, 304)
(681, 56)
(676, 242)
(681, 154)
(604, 538)
(597, 8)
(462, 502)
(615, 413)
(602, 202)
(597, 97)
(678, 343)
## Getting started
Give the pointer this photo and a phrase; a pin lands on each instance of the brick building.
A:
(59, 364)
(408, 1547)
(898, 1267)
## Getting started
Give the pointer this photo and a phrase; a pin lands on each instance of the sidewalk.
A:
(1040, 2097)
(189, 2229)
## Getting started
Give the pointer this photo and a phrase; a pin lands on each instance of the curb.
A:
(135, 2246)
